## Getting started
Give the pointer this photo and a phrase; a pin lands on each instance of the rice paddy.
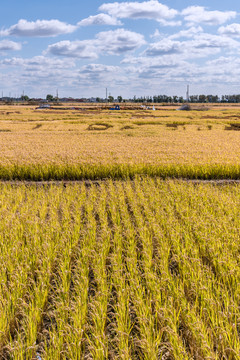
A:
(143, 269)
(106, 251)
(126, 138)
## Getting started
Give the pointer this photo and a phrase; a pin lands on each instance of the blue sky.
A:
(131, 47)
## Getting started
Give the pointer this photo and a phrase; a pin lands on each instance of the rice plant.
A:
(120, 269)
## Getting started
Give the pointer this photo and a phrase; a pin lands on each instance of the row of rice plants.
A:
(66, 294)
(193, 273)
(39, 238)
(120, 269)
(48, 172)
(215, 244)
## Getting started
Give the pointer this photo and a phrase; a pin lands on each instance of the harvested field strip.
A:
(68, 172)
(140, 269)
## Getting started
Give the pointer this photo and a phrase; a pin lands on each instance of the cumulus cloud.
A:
(95, 73)
(173, 69)
(222, 60)
(189, 33)
(107, 42)
(152, 63)
(206, 40)
(39, 28)
(79, 49)
(198, 14)
(230, 30)
(99, 68)
(164, 22)
(6, 45)
(100, 19)
(119, 41)
(164, 47)
(202, 45)
(37, 63)
(139, 10)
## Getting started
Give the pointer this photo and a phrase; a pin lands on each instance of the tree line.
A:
(192, 99)
(151, 99)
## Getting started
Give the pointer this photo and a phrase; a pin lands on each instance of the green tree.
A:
(119, 98)
(49, 97)
(110, 98)
(24, 98)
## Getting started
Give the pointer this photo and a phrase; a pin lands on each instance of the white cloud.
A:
(98, 68)
(202, 45)
(230, 30)
(79, 49)
(6, 45)
(157, 34)
(107, 42)
(174, 72)
(189, 33)
(95, 77)
(119, 41)
(198, 14)
(206, 40)
(170, 23)
(95, 73)
(153, 63)
(39, 28)
(38, 63)
(163, 47)
(139, 10)
(222, 60)
(100, 19)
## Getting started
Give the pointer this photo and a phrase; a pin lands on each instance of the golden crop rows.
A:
(142, 269)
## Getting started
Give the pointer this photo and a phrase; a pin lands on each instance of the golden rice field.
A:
(142, 269)
(126, 263)
(108, 142)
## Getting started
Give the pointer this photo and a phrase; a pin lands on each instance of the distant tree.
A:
(24, 98)
(98, 99)
(202, 98)
(193, 98)
(110, 98)
(49, 97)
(119, 98)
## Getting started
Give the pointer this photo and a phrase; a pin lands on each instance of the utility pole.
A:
(187, 94)
(106, 94)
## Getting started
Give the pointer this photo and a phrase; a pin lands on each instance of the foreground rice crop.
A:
(142, 269)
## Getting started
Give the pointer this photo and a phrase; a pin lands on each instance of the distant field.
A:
(143, 269)
(92, 136)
